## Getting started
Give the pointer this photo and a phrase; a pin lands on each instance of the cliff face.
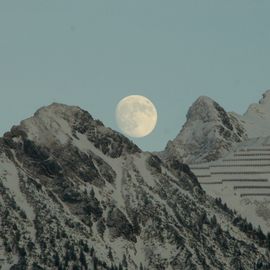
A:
(77, 195)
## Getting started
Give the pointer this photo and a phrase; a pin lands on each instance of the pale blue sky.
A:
(93, 53)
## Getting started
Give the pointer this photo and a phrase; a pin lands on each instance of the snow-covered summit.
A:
(56, 111)
(58, 124)
(203, 109)
(58, 108)
(208, 132)
(52, 123)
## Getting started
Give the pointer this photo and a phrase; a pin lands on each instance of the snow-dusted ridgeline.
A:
(78, 195)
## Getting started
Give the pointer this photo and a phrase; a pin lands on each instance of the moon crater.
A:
(136, 116)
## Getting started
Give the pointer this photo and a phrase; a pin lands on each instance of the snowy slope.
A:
(242, 180)
(77, 195)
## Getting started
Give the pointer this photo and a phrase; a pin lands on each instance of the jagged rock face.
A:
(208, 133)
(77, 195)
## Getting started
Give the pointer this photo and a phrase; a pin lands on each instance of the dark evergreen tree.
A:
(73, 255)
(92, 250)
(110, 255)
(92, 193)
(56, 259)
(83, 259)
(213, 221)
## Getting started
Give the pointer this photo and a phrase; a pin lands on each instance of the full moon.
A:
(136, 116)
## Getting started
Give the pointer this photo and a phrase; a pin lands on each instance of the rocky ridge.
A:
(77, 195)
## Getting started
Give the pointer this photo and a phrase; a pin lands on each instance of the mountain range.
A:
(210, 132)
(75, 194)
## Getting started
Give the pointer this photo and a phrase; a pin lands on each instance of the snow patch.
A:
(11, 181)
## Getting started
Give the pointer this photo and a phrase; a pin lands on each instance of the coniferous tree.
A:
(110, 254)
(73, 255)
(213, 221)
(83, 259)
(92, 250)
(92, 193)
(56, 259)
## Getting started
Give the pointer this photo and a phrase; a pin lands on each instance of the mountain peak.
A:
(261, 110)
(61, 125)
(204, 99)
(58, 110)
(204, 109)
(54, 123)
(266, 98)
(208, 132)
